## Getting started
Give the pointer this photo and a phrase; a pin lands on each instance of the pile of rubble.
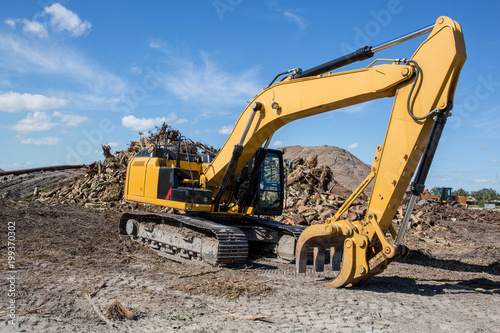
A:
(102, 184)
(313, 195)
(425, 215)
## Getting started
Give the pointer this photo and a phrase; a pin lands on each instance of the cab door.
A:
(136, 176)
(270, 185)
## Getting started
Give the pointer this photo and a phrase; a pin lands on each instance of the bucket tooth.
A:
(336, 256)
(346, 273)
(320, 237)
(301, 255)
(319, 258)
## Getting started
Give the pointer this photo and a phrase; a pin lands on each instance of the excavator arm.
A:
(423, 88)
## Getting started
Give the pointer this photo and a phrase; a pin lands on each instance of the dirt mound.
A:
(100, 184)
(347, 170)
(321, 180)
(427, 215)
(16, 187)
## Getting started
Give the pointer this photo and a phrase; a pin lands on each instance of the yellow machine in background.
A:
(444, 197)
(223, 196)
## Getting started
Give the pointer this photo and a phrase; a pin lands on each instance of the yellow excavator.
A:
(222, 203)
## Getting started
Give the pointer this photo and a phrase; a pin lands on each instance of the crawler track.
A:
(216, 239)
(188, 237)
(266, 237)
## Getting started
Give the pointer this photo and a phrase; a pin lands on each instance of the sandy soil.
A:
(449, 283)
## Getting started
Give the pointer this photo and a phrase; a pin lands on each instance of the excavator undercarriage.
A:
(214, 239)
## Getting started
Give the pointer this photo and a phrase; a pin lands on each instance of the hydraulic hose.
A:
(408, 103)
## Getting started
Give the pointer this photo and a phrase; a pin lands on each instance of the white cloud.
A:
(141, 124)
(302, 23)
(482, 180)
(278, 143)
(70, 120)
(11, 23)
(136, 69)
(34, 28)
(15, 166)
(207, 83)
(29, 28)
(63, 19)
(445, 179)
(357, 108)
(154, 45)
(199, 117)
(48, 141)
(353, 146)
(34, 122)
(181, 121)
(14, 102)
(60, 19)
(494, 161)
(22, 55)
(41, 121)
(226, 129)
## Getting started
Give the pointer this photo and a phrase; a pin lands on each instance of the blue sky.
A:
(78, 74)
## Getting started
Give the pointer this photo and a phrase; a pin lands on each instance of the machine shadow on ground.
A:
(429, 287)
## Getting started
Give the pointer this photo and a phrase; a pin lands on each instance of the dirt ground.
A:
(70, 265)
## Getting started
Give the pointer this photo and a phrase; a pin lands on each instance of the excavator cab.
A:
(262, 189)
(270, 185)
(164, 177)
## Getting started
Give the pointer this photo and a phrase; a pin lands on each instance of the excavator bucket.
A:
(348, 252)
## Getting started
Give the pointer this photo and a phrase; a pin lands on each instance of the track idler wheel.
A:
(348, 252)
(132, 227)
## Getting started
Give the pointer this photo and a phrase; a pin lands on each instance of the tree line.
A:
(482, 196)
